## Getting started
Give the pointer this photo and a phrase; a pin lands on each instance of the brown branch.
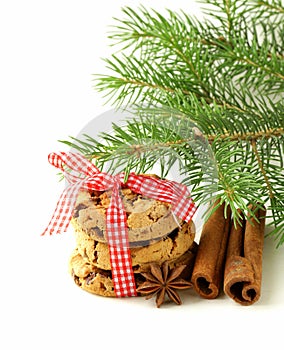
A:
(167, 89)
(249, 135)
(263, 68)
(152, 86)
(272, 7)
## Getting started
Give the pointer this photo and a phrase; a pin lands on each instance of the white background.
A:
(49, 51)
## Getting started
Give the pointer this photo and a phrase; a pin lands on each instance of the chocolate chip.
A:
(96, 231)
(173, 235)
(95, 193)
(95, 252)
(77, 280)
(78, 208)
(90, 278)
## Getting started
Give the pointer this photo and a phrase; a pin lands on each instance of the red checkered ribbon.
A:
(81, 174)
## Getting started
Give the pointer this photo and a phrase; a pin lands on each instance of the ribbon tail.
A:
(64, 210)
(120, 257)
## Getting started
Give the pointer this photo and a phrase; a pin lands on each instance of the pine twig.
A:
(223, 76)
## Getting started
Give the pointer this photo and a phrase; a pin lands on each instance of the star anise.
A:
(163, 280)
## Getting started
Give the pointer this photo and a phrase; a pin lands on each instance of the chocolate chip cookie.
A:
(99, 281)
(147, 218)
(169, 247)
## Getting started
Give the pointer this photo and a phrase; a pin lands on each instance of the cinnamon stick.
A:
(208, 271)
(243, 268)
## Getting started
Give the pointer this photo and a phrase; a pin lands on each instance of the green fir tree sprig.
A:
(208, 96)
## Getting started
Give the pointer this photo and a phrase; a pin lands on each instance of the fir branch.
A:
(215, 90)
(274, 7)
(225, 170)
(261, 167)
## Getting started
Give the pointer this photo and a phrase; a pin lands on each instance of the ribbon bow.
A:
(80, 173)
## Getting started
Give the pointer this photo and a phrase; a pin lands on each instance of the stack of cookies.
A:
(155, 236)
